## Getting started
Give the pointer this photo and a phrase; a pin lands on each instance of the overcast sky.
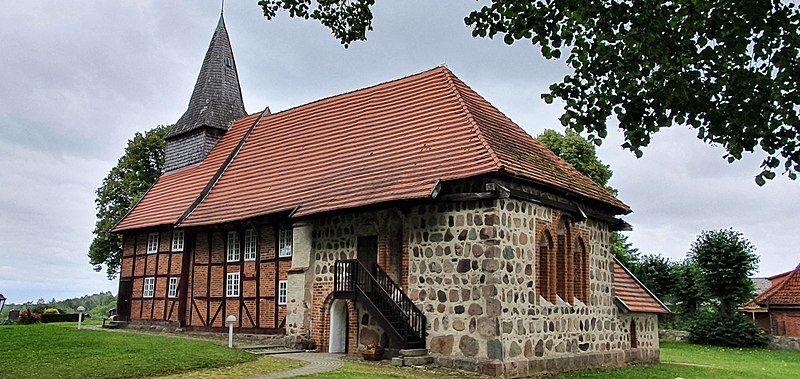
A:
(79, 78)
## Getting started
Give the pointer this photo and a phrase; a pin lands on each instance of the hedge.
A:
(70, 317)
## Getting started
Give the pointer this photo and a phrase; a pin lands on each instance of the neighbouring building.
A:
(411, 213)
(776, 306)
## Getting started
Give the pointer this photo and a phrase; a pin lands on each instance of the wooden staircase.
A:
(383, 299)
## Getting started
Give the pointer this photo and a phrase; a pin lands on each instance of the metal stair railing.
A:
(379, 292)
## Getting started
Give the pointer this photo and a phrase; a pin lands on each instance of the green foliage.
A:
(136, 171)
(727, 69)
(348, 20)
(98, 304)
(687, 292)
(657, 274)
(725, 261)
(579, 153)
(733, 330)
(624, 250)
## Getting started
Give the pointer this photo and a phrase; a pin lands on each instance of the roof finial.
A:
(222, 8)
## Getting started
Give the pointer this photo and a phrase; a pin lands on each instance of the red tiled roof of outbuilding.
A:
(632, 294)
(389, 142)
(785, 292)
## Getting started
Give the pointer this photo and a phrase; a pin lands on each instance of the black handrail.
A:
(382, 293)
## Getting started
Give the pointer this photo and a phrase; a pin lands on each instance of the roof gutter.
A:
(211, 183)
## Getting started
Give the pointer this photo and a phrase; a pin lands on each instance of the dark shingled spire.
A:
(216, 101)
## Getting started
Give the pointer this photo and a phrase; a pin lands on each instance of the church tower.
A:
(216, 101)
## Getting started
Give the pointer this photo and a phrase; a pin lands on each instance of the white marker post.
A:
(80, 315)
(231, 319)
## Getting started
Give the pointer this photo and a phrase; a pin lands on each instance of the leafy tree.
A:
(687, 293)
(657, 273)
(136, 171)
(579, 153)
(725, 261)
(728, 69)
(624, 250)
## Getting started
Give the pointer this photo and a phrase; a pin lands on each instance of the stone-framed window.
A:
(634, 337)
(149, 287)
(232, 247)
(232, 284)
(283, 286)
(177, 240)
(581, 271)
(564, 262)
(250, 244)
(172, 289)
(285, 242)
(545, 283)
(152, 243)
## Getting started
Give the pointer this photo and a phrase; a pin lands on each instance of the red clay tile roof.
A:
(784, 291)
(632, 295)
(384, 143)
(174, 192)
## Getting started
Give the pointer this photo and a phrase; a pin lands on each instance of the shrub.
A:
(712, 328)
(69, 317)
(51, 311)
(28, 317)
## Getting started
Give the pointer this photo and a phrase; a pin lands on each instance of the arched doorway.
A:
(337, 341)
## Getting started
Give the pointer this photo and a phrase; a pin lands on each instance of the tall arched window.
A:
(545, 287)
(581, 271)
(564, 264)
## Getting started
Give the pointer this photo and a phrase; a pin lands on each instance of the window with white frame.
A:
(250, 245)
(177, 240)
(172, 290)
(282, 287)
(233, 246)
(149, 287)
(285, 243)
(232, 285)
(152, 243)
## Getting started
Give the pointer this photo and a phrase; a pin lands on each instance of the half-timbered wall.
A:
(256, 307)
(141, 266)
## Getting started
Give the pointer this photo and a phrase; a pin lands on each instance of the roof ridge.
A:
(220, 171)
(352, 91)
(476, 128)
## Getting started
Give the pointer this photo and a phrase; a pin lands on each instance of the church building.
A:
(412, 214)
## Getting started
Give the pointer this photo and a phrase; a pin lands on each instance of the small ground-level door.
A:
(339, 328)
(124, 300)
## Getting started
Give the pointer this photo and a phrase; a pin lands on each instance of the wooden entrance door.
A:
(124, 300)
(368, 252)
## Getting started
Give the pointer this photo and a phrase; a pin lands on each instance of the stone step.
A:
(255, 347)
(417, 361)
(413, 352)
(273, 351)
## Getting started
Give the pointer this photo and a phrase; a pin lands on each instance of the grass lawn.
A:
(59, 350)
(679, 360)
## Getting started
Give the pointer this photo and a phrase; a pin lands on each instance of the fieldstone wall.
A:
(472, 269)
(335, 238)
(784, 343)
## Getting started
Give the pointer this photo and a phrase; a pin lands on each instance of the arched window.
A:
(581, 271)
(564, 264)
(545, 286)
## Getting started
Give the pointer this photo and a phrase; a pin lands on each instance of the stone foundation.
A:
(535, 367)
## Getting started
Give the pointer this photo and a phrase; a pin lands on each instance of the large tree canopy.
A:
(728, 69)
(136, 171)
(579, 153)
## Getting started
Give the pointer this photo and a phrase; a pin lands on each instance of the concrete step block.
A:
(413, 352)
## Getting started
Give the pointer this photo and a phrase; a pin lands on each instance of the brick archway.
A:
(321, 331)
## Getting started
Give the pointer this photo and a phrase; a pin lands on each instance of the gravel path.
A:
(320, 362)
